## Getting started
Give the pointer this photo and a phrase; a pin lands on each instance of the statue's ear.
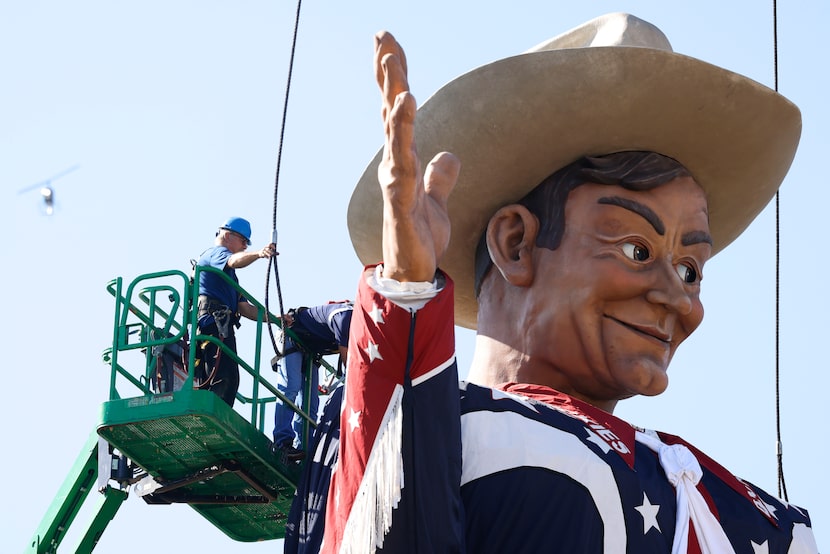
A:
(511, 240)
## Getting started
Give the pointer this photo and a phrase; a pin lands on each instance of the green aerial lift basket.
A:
(199, 451)
(185, 446)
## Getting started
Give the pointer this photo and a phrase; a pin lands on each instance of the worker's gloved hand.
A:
(268, 251)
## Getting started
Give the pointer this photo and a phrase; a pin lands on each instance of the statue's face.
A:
(622, 291)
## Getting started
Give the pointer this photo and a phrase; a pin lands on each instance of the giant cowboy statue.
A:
(590, 180)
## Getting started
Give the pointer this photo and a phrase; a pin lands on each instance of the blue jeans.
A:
(291, 382)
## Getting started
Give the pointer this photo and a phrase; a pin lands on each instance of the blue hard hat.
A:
(240, 226)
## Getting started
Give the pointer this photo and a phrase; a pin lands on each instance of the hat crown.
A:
(613, 29)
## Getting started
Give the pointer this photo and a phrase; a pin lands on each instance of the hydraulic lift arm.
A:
(72, 495)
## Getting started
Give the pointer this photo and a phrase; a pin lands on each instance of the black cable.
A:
(273, 259)
(779, 450)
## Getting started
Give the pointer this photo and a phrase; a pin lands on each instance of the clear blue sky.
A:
(172, 110)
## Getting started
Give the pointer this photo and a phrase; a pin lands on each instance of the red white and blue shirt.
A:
(423, 463)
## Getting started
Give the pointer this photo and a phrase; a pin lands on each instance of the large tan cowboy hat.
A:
(610, 85)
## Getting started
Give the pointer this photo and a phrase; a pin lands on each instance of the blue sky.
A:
(172, 111)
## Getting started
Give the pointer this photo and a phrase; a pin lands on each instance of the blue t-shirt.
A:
(213, 285)
(326, 326)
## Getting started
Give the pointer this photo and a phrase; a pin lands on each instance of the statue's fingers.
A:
(385, 44)
(440, 176)
(400, 137)
(390, 70)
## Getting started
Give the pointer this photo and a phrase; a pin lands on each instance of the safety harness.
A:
(223, 318)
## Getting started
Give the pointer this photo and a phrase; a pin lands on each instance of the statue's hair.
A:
(632, 170)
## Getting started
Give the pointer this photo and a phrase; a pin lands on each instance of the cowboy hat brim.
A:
(515, 121)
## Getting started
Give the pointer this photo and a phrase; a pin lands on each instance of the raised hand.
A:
(416, 227)
(267, 251)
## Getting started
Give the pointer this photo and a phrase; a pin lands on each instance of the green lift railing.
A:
(185, 446)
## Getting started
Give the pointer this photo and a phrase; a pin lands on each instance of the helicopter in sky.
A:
(47, 193)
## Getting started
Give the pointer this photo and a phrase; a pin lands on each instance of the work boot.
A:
(287, 451)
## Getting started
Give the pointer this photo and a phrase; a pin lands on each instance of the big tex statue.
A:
(590, 180)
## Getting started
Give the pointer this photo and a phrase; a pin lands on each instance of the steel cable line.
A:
(779, 450)
(272, 261)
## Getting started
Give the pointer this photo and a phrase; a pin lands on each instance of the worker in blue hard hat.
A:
(239, 226)
(221, 305)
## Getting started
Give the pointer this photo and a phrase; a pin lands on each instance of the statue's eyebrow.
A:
(696, 237)
(690, 238)
(640, 209)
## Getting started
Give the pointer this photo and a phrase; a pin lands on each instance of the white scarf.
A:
(683, 472)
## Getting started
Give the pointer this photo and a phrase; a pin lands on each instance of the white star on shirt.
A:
(649, 513)
(762, 548)
(596, 439)
(376, 314)
(373, 352)
(771, 509)
(354, 419)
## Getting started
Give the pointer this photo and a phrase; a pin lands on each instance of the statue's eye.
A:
(636, 252)
(687, 273)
